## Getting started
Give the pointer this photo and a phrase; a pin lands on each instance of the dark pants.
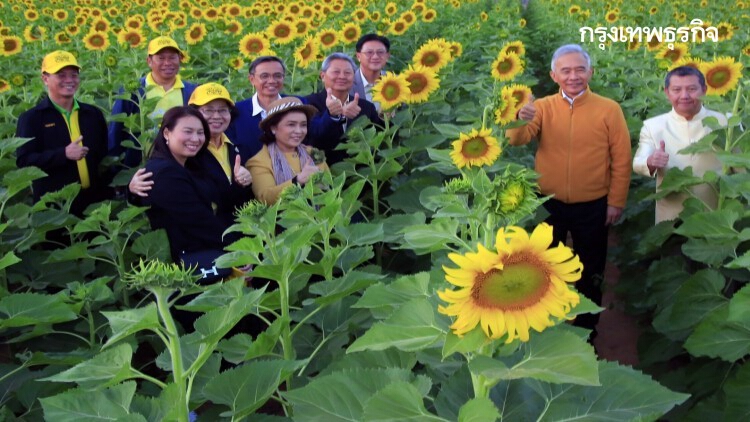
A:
(585, 221)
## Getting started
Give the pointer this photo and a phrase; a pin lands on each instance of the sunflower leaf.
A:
(397, 401)
(718, 337)
(479, 409)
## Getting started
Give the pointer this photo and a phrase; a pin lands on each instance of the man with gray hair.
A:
(583, 159)
(336, 108)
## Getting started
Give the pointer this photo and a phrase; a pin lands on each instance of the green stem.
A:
(175, 351)
(728, 141)
(92, 327)
(141, 375)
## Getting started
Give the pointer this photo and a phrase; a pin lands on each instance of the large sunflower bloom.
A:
(4, 86)
(506, 67)
(521, 95)
(477, 148)
(390, 90)
(195, 33)
(253, 44)
(722, 75)
(422, 82)
(281, 32)
(96, 41)
(506, 110)
(307, 52)
(10, 45)
(725, 30)
(674, 54)
(516, 288)
(134, 37)
(351, 32)
(431, 56)
(516, 47)
(688, 61)
(328, 38)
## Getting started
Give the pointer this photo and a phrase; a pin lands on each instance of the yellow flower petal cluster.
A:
(513, 289)
(506, 67)
(422, 82)
(390, 90)
(476, 148)
(433, 55)
(722, 75)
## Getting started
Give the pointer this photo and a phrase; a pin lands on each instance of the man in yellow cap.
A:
(69, 138)
(163, 83)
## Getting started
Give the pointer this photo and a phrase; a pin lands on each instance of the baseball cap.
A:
(160, 43)
(56, 60)
(208, 92)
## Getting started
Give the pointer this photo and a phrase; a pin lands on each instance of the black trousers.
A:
(585, 221)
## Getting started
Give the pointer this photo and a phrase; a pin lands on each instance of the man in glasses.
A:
(372, 54)
(266, 74)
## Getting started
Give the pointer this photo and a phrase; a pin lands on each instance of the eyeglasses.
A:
(208, 112)
(267, 76)
(371, 53)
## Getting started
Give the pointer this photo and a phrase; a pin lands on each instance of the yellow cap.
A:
(56, 60)
(206, 93)
(160, 43)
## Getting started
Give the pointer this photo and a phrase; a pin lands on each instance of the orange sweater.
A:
(584, 148)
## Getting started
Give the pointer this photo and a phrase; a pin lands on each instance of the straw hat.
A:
(282, 106)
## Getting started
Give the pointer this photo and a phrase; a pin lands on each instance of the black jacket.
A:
(327, 133)
(46, 125)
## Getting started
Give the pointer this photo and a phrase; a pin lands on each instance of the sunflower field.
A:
(396, 316)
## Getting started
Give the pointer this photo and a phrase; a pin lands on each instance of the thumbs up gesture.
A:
(241, 174)
(659, 158)
(352, 108)
(528, 111)
(335, 108)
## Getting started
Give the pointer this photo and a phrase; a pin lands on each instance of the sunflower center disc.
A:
(515, 287)
(474, 147)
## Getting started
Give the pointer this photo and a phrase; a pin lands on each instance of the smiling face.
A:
(572, 73)
(685, 94)
(63, 84)
(218, 115)
(339, 76)
(268, 79)
(164, 65)
(186, 139)
(290, 131)
(373, 56)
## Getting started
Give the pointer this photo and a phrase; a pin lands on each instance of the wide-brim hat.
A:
(206, 93)
(160, 43)
(56, 60)
(282, 106)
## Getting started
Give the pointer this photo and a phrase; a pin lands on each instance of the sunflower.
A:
(62, 37)
(11, 45)
(253, 44)
(746, 50)
(233, 27)
(517, 287)
(390, 90)
(688, 61)
(431, 56)
(522, 23)
(33, 33)
(516, 47)
(328, 38)
(134, 22)
(375, 16)
(110, 61)
(475, 149)
(113, 12)
(301, 26)
(360, 15)
(195, 33)
(234, 10)
(391, 9)
(506, 67)
(281, 32)
(60, 14)
(418, 7)
(611, 16)
(134, 37)
(307, 52)
(456, 49)
(4, 86)
(653, 10)
(96, 41)
(429, 15)
(722, 75)
(72, 30)
(17, 79)
(726, 31)
(408, 17)
(422, 82)
(674, 55)
(398, 27)
(521, 95)
(31, 15)
(100, 25)
(350, 32)
(574, 9)
(196, 13)
(505, 108)
(236, 63)
(653, 44)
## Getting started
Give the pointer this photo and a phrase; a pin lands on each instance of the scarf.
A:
(281, 170)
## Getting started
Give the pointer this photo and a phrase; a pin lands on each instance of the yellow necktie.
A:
(75, 132)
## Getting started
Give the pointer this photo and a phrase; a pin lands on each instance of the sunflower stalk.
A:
(728, 143)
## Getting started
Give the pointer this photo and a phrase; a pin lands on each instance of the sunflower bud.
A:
(318, 156)
(156, 274)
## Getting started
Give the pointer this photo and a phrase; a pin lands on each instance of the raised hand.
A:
(352, 109)
(308, 170)
(335, 108)
(658, 159)
(241, 174)
(75, 150)
(528, 111)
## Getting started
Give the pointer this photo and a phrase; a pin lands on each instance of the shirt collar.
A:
(62, 110)
(366, 83)
(177, 81)
(257, 109)
(571, 99)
